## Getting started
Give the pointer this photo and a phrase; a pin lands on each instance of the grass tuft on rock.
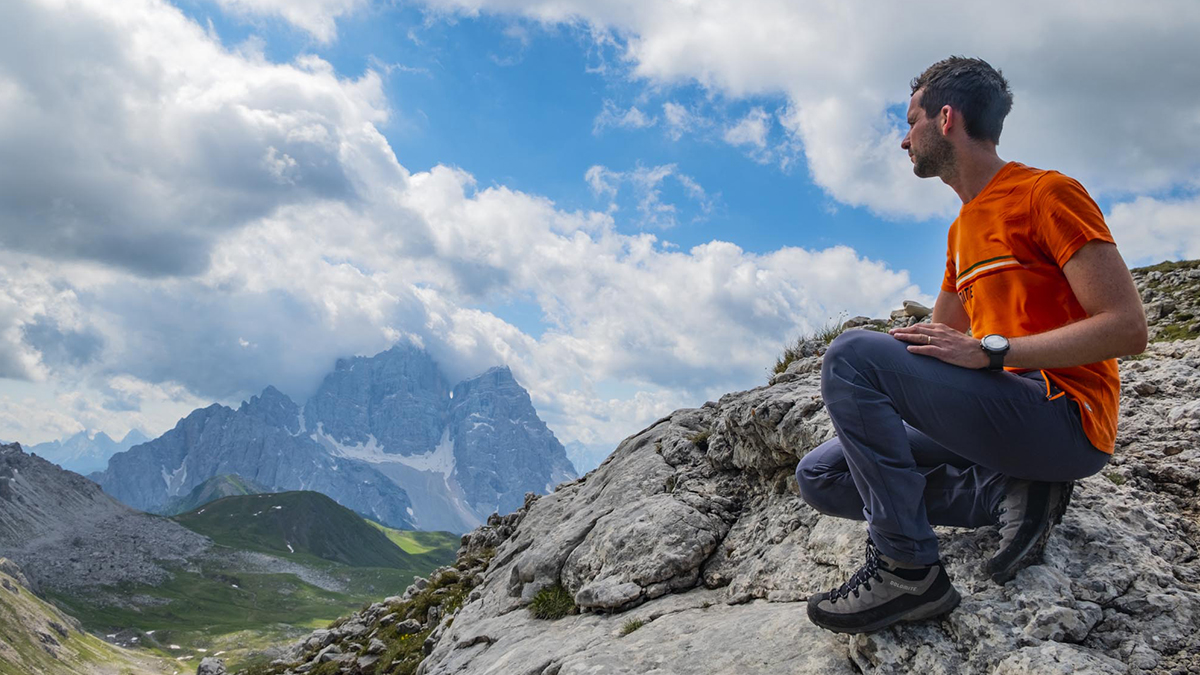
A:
(631, 625)
(700, 438)
(803, 346)
(552, 603)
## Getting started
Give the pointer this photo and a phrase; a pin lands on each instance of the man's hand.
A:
(943, 342)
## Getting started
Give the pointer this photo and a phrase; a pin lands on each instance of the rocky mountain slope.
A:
(38, 639)
(385, 436)
(689, 551)
(84, 454)
(66, 533)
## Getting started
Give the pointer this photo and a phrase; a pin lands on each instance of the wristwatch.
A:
(995, 346)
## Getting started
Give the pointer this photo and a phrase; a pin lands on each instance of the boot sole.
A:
(942, 605)
(1037, 545)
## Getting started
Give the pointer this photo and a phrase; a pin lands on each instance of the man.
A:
(939, 426)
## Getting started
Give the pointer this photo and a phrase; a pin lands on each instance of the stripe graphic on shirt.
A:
(986, 266)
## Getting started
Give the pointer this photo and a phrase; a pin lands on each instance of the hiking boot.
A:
(883, 592)
(1027, 512)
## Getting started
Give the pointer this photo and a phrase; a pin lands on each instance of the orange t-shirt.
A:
(1004, 259)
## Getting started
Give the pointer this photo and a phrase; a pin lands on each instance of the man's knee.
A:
(854, 351)
(852, 345)
(816, 482)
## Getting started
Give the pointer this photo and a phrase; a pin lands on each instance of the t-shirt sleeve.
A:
(949, 281)
(1066, 217)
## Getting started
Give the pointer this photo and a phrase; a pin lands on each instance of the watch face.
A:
(995, 342)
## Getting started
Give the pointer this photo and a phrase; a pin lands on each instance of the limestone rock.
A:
(916, 309)
(211, 666)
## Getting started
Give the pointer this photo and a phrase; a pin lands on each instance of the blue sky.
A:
(634, 205)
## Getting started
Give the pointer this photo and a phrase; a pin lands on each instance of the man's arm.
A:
(1115, 326)
(1116, 323)
(949, 310)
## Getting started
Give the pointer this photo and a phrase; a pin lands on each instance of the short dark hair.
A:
(972, 87)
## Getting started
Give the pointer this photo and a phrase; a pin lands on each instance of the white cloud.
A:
(647, 184)
(132, 137)
(1104, 91)
(679, 120)
(612, 116)
(750, 130)
(317, 17)
(1150, 230)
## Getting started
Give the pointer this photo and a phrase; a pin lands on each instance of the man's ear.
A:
(947, 118)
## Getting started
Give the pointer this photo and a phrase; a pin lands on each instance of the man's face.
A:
(932, 153)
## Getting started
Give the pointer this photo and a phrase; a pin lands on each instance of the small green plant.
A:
(700, 438)
(1169, 266)
(1115, 478)
(1172, 332)
(552, 603)
(631, 625)
(825, 335)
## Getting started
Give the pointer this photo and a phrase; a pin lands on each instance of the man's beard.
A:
(936, 160)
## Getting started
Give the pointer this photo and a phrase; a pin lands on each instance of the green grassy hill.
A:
(225, 485)
(35, 637)
(440, 545)
(290, 524)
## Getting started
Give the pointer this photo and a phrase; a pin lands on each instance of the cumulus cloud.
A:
(132, 138)
(1080, 74)
(1150, 230)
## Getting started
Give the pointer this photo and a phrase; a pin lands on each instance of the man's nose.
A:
(904, 143)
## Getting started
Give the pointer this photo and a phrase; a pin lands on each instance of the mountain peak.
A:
(273, 407)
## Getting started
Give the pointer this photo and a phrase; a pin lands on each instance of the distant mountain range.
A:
(386, 436)
(84, 453)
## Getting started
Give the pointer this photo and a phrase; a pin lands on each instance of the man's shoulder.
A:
(1047, 183)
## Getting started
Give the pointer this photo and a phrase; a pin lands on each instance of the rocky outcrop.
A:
(689, 551)
(66, 533)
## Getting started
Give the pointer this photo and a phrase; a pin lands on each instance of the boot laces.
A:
(861, 578)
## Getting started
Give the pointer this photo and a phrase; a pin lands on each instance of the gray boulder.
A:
(211, 666)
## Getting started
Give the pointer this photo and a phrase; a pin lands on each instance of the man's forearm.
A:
(1096, 338)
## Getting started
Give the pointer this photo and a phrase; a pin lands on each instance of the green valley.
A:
(283, 564)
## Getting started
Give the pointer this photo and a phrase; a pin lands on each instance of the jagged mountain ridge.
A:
(384, 435)
(262, 442)
(84, 454)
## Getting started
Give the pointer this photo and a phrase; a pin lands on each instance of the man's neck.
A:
(975, 166)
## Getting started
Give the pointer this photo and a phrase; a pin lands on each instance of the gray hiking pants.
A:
(920, 441)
